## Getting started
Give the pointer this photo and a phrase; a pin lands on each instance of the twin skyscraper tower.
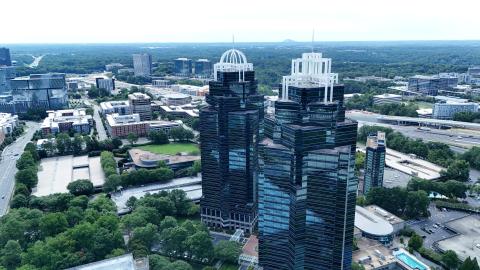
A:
(289, 175)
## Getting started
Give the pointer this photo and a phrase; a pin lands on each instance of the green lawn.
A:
(171, 148)
(227, 266)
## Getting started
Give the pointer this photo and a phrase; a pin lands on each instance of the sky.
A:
(142, 21)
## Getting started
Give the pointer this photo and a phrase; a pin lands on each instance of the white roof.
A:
(370, 223)
(386, 95)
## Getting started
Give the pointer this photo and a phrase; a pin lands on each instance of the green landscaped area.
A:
(227, 266)
(171, 148)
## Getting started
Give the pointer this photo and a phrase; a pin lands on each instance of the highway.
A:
(8, 167)
(102, 134)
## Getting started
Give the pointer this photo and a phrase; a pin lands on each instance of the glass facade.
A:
(306, 184)
(374, 162)
(230, 131)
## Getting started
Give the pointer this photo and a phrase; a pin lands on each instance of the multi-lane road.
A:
(7, 165)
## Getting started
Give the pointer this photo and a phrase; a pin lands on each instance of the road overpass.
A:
(403, 120)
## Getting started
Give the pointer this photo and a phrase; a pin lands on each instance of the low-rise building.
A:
(122, 125)
(387, 99)
(8, 122)
(121, 107)
(64, 120)
(113, 66)
(176, 99)
(190, 90)
(179, 111)
(347, 97)
(148, 160)
(447, 110)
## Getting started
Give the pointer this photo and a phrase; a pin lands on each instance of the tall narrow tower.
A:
(230, 130)
(374, 161)
(307, 187)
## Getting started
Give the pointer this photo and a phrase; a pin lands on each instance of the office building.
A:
(6, 75)
(374, 161)
(142, 64)
(230, 130)
(387, 99)
(190, 90)
(119, 126)
(39, 91)
(65, 120)
(160, 83)
(105, 83)
(430, 85)
(5, 59)
(447, 110)
(473, 75)
(307, 185)
(203, 68)
(140, 103)
(182, 66)
(121, 107)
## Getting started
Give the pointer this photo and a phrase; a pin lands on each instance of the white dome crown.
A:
(233, 60)
(233, 56)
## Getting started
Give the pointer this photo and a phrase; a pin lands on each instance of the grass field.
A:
(227, 266)
(171, 148)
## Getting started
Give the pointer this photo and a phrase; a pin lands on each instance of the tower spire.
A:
(233, 41)
(313, 38)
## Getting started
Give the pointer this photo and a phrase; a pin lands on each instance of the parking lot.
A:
(437, 233)
(467, 242)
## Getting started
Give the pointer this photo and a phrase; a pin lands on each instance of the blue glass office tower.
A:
(5, 59)
(230, 130)
(307, 187)
(374, 161)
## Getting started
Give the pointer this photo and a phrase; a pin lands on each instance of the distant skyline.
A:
(144, 21)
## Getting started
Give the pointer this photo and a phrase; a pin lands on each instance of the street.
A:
(7, 165)
(102, 134)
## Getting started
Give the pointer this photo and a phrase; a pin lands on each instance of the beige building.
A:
(140, 104)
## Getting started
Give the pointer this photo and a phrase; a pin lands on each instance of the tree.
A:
(146, 235)
(200, 245)
(459, 170)
(11, 255)
(179, 265)
(158, 137)
(53, 223)
(357, 266)
(77, 143)
(228, 251)
(174, 240)
(417, 204)
(63, 143)
(168, 222)
(473, 157)
(157, 262)
(415, 242)
(18, 201)
(132, 138)
(450, 259)
(80, 187)
(469, 264)
(359, 160)
(26, 161)
(28, 177)
(30, 147)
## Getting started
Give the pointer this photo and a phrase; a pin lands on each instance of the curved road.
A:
(7, 165)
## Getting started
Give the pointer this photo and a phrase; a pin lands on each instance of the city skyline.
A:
(151, 22)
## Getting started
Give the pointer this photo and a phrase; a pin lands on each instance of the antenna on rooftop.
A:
(233, 41)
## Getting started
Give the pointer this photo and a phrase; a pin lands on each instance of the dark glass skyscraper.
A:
(307, 187)
(5, 57)
(230, 130)
(374, 161)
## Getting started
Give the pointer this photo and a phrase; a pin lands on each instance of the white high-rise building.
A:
(142, 64)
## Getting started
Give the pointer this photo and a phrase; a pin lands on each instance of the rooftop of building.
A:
(384, 214)
(146, 159)
(41, 76)
(453, 99)
(182, 59)
(138, 95)
(76, 116)
(175, 96)
(116, 119)
(370, 223)
(373, 254)
(203, 60)
(112, 104)
(387, 95)
(124, 262)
